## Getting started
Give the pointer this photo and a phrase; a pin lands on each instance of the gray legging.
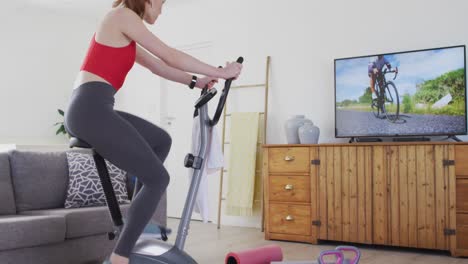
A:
(131, 143)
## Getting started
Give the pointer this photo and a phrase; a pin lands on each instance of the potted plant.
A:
(61, 129)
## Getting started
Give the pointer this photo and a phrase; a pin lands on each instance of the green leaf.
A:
(61, 130)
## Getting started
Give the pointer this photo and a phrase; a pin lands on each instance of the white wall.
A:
(41, 51)
(7, 147)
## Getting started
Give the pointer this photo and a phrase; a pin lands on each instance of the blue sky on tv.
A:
(414, 67)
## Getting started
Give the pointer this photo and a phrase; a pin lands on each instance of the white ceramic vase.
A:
(308, 133)
(291, 126)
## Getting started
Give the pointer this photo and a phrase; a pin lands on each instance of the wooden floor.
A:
(208, 245)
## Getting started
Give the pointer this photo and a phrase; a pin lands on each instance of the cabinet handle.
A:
(289, 218)
(289, 158)
(288, 187)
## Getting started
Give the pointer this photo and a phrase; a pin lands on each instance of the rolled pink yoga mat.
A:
(261, 255)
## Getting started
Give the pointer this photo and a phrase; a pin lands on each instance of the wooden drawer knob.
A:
(289, 218)
(289, 158)
(288, 187)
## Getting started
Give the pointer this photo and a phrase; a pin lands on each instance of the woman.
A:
(131, 143)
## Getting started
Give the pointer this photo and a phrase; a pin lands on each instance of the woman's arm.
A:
(133, 27)
(160, 68)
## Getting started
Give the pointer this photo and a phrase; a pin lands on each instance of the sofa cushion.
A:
(18, 231)
(84, 187)
(83, 221)
(7, 200)
(39, 179)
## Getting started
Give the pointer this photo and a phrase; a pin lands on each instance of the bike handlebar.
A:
(207, 95)
(222, 99)
(392, 71)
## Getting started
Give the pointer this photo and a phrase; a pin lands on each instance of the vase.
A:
(308, 133)
(291, 126)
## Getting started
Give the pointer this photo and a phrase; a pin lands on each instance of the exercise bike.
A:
(152, 249)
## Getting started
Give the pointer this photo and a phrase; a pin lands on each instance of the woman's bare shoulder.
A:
(122, 13)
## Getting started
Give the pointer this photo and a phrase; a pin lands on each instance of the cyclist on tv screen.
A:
(375, 66)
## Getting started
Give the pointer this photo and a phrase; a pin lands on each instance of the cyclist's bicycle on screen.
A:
(387, 103)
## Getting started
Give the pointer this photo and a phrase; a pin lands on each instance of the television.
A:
(415, 93)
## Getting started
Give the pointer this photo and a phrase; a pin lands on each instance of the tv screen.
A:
(412, 93)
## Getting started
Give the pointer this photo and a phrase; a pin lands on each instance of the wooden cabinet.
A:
(461, 194)
(291, 219)
(290, 188)
(344, 194)
(415, 195)
(289, 160)
(400, 194)
(287, 193)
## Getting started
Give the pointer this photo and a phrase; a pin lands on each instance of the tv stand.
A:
(410, 139)
(365, 139)
(403, 194)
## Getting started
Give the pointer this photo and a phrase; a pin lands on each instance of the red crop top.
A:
(110, 63)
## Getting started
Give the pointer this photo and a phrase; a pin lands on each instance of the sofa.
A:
(34, 226)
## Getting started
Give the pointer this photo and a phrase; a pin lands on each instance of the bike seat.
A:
(79, 143)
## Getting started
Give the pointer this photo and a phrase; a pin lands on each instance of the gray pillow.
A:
(39, 179)
(84, 187)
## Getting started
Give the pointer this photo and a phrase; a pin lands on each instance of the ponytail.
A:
(138, 6)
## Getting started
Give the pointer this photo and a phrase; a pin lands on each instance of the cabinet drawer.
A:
(290, 219)
(289, 188)
(462, 231)
(461, 166)
(462, 195)
(289, 160)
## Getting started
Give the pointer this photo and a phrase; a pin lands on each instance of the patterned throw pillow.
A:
(84, 186)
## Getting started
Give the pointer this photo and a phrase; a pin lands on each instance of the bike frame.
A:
(382, 81)
(381, 85)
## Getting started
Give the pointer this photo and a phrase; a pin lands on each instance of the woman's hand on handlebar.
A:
(232, 70)
(206, 82)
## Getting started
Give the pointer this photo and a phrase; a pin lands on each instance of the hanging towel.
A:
(242, 161)
(214, 162)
